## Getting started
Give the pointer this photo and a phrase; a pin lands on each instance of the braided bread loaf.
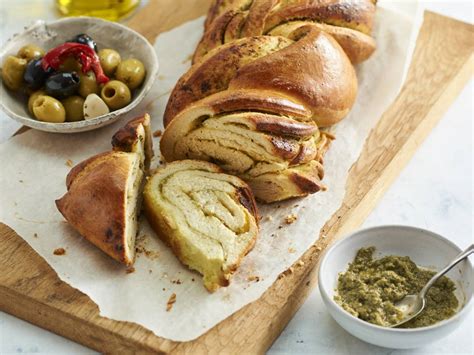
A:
(267, 75)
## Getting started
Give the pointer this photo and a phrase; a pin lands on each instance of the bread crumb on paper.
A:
(59, 251)
(171, 302)
(269, 218)
(176, 282)
(69, 163)
(253, 278)
(157, 133)
(35, 235)
(129, 270)
(141, 248)
(291, 250)
(291, 218)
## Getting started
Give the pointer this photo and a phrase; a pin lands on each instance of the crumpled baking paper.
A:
(34, 167)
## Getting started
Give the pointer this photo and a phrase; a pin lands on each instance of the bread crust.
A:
(95, 204)
(126, 138)
(267, 77)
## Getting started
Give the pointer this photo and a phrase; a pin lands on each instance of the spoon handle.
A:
(448, 267)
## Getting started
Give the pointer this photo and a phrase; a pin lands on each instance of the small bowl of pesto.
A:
(363, 276)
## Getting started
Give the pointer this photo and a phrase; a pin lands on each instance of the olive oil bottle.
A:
(112, 10)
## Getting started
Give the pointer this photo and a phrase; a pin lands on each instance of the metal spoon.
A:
(413, 305)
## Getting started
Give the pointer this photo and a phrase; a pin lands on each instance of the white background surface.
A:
(434, 191)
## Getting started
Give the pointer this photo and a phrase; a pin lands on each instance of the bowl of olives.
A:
(75, 74)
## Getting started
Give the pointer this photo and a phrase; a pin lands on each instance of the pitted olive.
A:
(74, 106)
(109, 60)
(35, 75)
(88, 85)
(30, 51)
(85, 39)
(116, 94)
(12, 72)
(70, 64)
(62, 85)
(48, 109)
(131, 72)
(32, 99)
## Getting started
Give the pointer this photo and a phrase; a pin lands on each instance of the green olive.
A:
(131, 72)
(88, 84)
(109, 60)
(48, 109)
(116, 94)
(12, 72)
(32, 99)
(74, 106)
(30, 51)
(70, 64)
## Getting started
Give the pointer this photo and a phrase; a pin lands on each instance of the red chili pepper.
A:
(84, 54)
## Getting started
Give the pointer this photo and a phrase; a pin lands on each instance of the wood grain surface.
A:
(442, 64)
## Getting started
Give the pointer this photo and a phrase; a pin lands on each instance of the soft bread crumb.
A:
(171, 302)
(290, 218)
(59, 251)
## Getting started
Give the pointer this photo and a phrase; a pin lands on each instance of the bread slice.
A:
(103, 200)
(208, 218)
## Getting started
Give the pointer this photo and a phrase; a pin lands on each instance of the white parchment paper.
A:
(33, 176)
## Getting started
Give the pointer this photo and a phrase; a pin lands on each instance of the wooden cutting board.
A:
(441, 65)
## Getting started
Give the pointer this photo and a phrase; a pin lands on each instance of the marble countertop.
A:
(435, 191)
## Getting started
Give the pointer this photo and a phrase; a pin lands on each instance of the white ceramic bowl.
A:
(426, 249)
(107, 35)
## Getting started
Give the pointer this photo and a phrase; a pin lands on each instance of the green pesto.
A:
(370, 288)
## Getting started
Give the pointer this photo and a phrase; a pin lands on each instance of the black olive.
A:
(35, 75)
(85, 39)
(61, 85)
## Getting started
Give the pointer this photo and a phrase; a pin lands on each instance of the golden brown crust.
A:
(355, 14)
(95, 204)
(215, 72)
(354, 18)
(266, 76)
(126, 138)
(324, 80)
